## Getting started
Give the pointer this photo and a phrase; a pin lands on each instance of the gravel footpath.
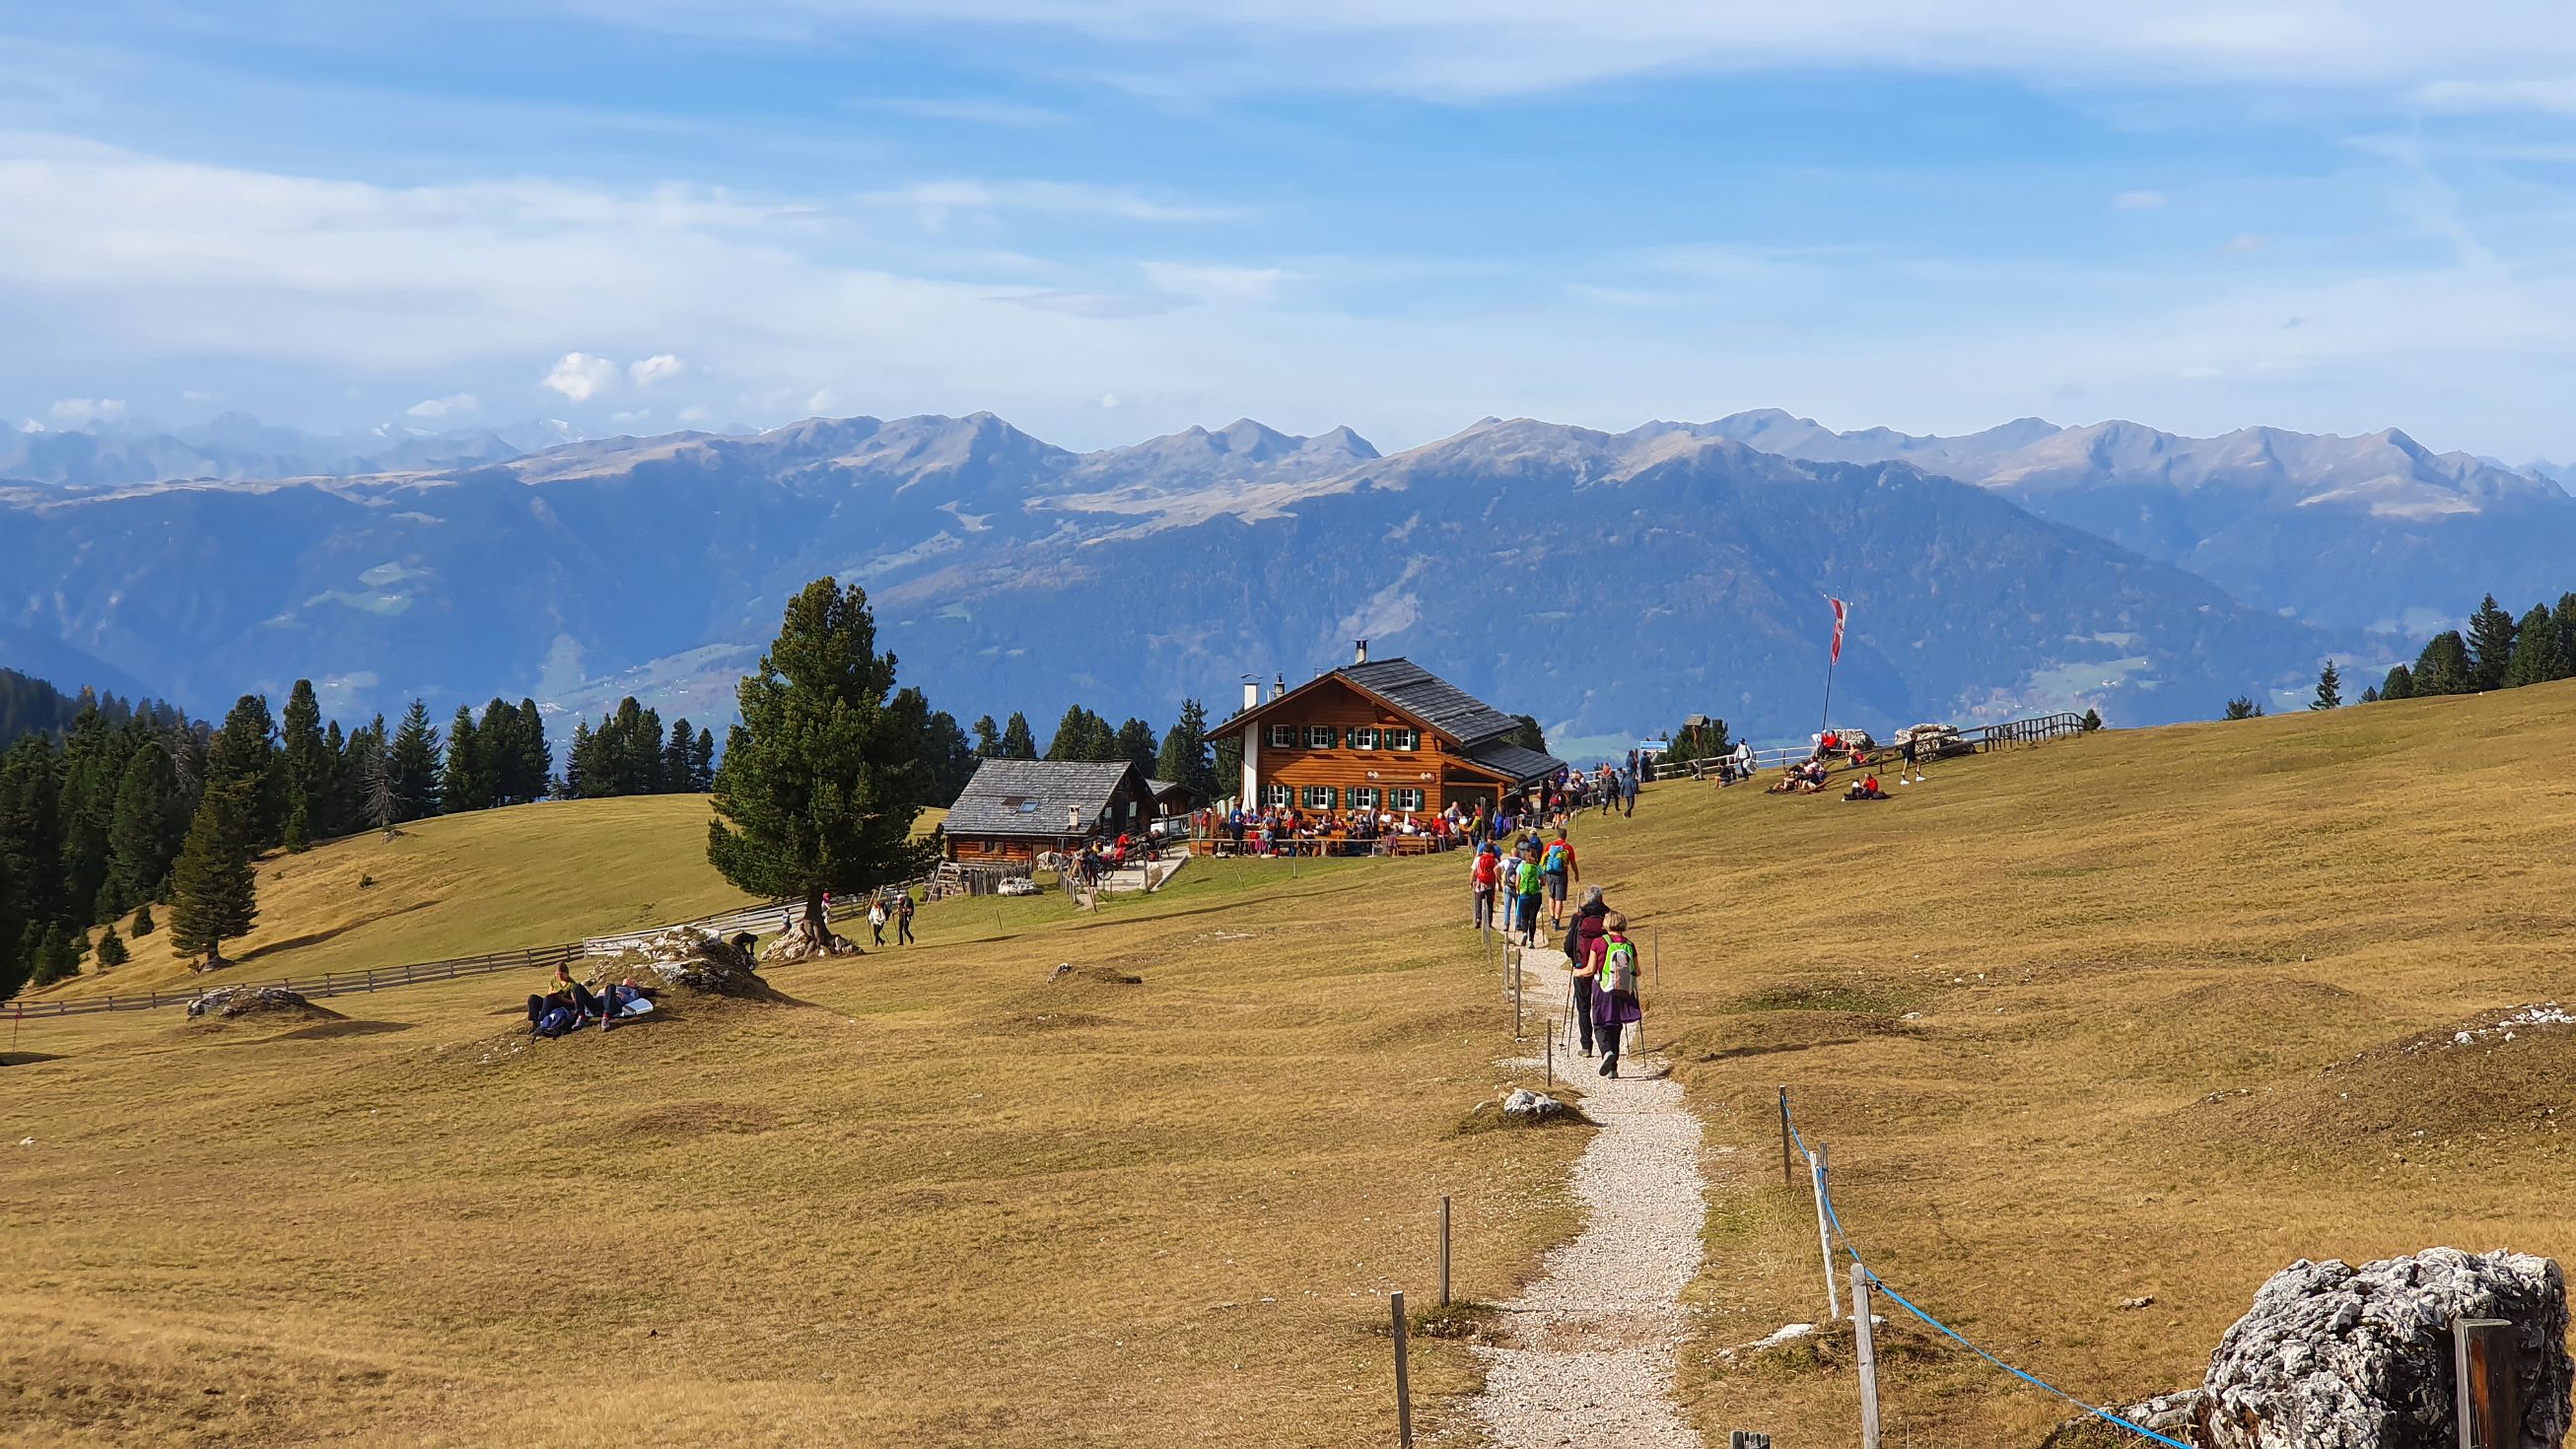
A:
(1592, 1348)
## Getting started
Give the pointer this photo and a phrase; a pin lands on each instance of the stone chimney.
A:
(1251, 691)
(1359, 651)
(1278, 685)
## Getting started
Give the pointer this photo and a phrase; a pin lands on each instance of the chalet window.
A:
(1316, 797)
(1404, 799)
(1283, 737)
(1364, 738)
(1274, 795)
(1319, 737)
(1399, 739)
(1364, 797)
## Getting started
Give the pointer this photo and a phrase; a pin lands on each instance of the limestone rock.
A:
(805, 941)
(238, 1001)
(689, 959)
(1525, 1103)
(2337, 1357)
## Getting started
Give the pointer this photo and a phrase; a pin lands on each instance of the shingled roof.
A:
(1030, 797)
(1433, 700)
(1521, 764)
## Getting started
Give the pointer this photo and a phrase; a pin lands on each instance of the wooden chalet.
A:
(1380, 735)
(1013, 809)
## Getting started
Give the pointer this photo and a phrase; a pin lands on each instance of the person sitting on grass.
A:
(1866, 789)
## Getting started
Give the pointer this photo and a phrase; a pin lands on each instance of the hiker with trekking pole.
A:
(1583, 951)
(1614, 994)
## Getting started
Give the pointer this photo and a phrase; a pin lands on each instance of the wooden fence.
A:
(2028, 731)
(757, 919)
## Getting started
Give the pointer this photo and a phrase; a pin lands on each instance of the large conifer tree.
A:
(2490, 642)
(2329, 688)
(1019, 742)
(215, 890)
(2535, 651)
(1183, 757)
(243, 756)
(412, 765)
(822, 778)
(151, 822)
(457, 785)
(309, 767)
(2445, 667)
(2400, 683)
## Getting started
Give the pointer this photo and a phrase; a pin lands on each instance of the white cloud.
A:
(72, 412)
(821, 402)
(935, 201)
(1109, 399)
(441, 407)
(31, 426)
(631, 417)
(694, 414)
(581, 377)
(2139, 200)
(660, 367)
(1216, 284)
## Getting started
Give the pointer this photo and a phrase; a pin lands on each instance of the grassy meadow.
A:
(2140, 1015)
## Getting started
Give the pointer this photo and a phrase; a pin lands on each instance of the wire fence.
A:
(1820, 1173)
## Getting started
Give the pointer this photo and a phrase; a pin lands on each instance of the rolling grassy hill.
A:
(2065, 1016)
(459, 885)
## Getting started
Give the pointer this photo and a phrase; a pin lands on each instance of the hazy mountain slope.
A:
(236, 446)
(1605, 582)
(2374, 531)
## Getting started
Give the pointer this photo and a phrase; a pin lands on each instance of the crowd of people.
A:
(568, 1005)
(1289, 830)
(1857, 751)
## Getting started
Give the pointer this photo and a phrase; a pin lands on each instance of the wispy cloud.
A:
(2138, 200)
(660, 367)
(936, 201)
(444, 407)
(73, 412)
(967, 110)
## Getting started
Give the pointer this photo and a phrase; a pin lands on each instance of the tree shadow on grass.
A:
(316, 938)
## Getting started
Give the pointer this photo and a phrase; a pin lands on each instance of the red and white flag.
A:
(1842, 612)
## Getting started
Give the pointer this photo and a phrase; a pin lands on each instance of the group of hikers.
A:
(568, 1005)
(1859, 752)
(1540, 873)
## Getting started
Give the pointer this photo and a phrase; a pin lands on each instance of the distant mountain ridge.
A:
(1604, 582)
(236, 446)
(2376, 531)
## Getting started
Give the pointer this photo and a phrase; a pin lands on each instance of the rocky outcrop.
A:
(2337, 1357)
(230, 1002)
(690, 960)
(803, 940)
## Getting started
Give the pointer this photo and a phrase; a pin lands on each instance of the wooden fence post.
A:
(1788, 1176)
(2486, 1379)
(1867, 1356)
(1403, 1381)
(1824, 1233)
(1444, 1250)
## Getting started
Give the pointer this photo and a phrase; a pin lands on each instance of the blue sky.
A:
(1115, 218)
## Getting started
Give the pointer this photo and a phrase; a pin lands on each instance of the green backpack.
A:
(1619, 967)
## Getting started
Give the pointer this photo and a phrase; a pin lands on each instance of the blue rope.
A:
(1825, 1198)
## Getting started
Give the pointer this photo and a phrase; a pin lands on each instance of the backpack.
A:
(1529, 877)
(1484, 869)
(1555, 862)
(555, 1022)
(1619, 967)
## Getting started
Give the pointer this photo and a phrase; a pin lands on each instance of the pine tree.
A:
(217, 889)
(534, 759)
(2565, 615)
(578, 761)
(111, 949)
(2242, 707)
(1078, 735)
(13, 929)
(2400, 683)
(496, 755)
(702, 763)
(822, 779)
(243, 756)
(2092, 719)
(143, 922)
(59, 958)
(1135, 742)
(2329, 688)
(1526, 734)
(2535, 651)
(2490, 641)
(151, 821)
(988, 738)
(458, 789)
(333, 814)
(31, 842)
(1183, 757)
(1019, 742)
(2370, 694)
(2444, 667)
(412, 761)
(309, 766)
(93, 763)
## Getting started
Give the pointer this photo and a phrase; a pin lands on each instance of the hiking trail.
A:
(1592, 1349)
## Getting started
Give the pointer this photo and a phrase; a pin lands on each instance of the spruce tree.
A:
(31, 842)
(412, 761)
(309, 766)
(822, 778)
(2400, 683)
(1019, 742)
(13, 928)
(2370, 694)
(333, 814)
(143, 922)
(111, 949)
(702, 763)
(2445, 667)
(458, 788)
(2535, 651)
(217, 890)
(243, 756)
(535, 758)
(1135, 742)
(59, 958)
(947, 757)
(1077, 735)
(2329, 688)
(988, 738)
(151, 821)
(2490, 641)
(2565, 615)
(577, 762)
(676, 750)
(2242, 707)
(1183, 756)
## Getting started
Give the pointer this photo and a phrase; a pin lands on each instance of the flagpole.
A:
(1828, 721)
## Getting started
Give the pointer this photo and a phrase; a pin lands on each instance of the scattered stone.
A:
(2143, 1300)
(1525, 1103)
(803, 940)
(238, 1001)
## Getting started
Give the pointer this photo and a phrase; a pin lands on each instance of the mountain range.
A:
(1603, 582)
(238, 446)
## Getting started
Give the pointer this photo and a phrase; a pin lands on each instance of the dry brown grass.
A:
(2093, 938)
(934, 1200)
